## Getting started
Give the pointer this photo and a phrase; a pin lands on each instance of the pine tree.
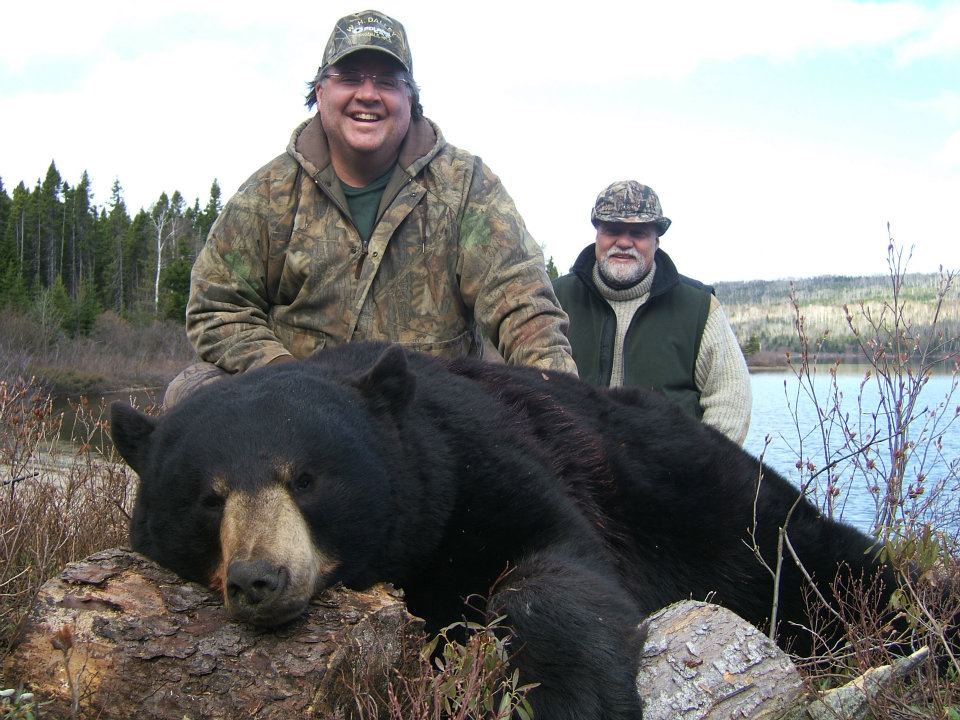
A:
(140, 239)
(175, 289)
(112, 251)
(87, 307)
(552, 269)
(77, 251)
(99, 265)
(13, 290)
(8, 252)
(62, 304)
(208, 216)
(15, 233)
(27, 234)
(5, 203)
(49, 226)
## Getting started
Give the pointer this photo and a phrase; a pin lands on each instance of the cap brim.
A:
(360, 48)
(661, 222)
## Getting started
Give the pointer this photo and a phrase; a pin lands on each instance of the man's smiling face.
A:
(364, 123)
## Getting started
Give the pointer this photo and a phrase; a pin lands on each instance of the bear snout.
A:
(270, 567)
(255, 582)
(257, 591)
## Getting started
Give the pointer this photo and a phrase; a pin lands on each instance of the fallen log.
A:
(116, 635)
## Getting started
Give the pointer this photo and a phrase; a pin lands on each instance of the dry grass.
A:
(924, 613)
(117, 354)
(896, 445)
(450, 680)
(57, 503)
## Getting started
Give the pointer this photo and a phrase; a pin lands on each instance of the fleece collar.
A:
(308, 146)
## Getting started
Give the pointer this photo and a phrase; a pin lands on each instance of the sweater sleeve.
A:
(722, 378)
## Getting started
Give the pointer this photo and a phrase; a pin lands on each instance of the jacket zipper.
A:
(365, 244)
(363, 256)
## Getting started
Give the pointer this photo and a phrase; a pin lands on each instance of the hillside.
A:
(764, 319)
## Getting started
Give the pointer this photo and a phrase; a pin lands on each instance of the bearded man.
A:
(636, 322)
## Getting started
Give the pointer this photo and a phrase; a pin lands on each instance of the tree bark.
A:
(142, 642)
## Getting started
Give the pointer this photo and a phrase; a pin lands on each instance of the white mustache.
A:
(632, 252)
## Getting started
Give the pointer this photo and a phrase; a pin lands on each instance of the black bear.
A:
(583, 509)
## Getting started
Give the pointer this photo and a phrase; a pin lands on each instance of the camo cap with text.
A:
(368, 30)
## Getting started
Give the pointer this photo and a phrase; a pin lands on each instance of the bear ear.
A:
(389, 384)
(131, 430)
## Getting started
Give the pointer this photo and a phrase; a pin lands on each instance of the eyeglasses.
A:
(636, 231)
(354, 79)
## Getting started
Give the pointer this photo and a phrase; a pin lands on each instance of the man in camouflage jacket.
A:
(444, 262)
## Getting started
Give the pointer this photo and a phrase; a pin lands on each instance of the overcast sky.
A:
(780, 136)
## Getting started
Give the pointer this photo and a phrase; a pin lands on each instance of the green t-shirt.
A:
(364, 203)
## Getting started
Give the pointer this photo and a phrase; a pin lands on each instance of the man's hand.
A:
(281, 359)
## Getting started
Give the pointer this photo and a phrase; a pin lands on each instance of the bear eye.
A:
(302, 482)
(212, 501)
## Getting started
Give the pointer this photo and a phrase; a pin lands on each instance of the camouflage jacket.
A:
(284, 269)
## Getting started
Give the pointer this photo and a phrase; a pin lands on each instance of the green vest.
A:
(662, 343)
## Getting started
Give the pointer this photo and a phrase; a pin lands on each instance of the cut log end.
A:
(702, 662)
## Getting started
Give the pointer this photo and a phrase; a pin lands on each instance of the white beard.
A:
(623, 275)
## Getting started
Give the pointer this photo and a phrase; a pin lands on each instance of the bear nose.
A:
(253, 582)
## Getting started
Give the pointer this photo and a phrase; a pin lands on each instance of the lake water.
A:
(790, 421)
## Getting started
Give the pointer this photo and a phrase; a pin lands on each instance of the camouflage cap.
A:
(368, 30)
(627, 201)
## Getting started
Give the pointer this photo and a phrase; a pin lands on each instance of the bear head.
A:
(272, 485)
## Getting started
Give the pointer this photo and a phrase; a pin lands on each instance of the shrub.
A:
(893, 448)
(57, 504)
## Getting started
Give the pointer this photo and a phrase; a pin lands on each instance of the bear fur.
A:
(575, 510)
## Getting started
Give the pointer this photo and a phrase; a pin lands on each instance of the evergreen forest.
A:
(63, 255)
(76, 278)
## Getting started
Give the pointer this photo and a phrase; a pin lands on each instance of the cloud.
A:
(160, 121)
(941, 37)
(41, 32)
(643, 38)
(658, 39)
(61, 29)
(945, 105)
(949, 155)
(744, 203)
